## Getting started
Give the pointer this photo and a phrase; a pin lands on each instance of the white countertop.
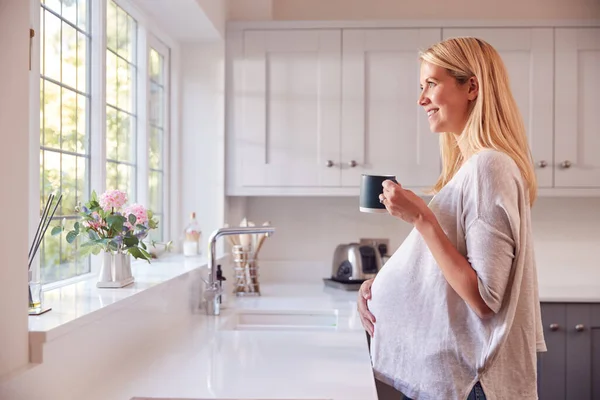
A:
(582, 293)
(202, 359)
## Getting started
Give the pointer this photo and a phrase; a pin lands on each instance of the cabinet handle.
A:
(554, 327)
(352, 164)
(330, 164)
(579, 327)
(542, 164)
(565, 164)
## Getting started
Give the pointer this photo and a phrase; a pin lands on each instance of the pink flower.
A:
(95, 224)
(112, 199)
(141, 214)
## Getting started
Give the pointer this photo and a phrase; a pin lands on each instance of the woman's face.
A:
(445, 101)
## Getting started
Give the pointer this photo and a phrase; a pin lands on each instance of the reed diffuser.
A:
(36, 306)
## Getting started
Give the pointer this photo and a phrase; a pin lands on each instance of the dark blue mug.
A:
(370, 189)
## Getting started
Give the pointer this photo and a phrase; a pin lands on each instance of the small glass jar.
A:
(246, 272)
(36, 297)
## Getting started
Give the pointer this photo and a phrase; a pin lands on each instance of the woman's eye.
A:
(430, 84)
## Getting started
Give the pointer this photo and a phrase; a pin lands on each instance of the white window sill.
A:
(80, 303)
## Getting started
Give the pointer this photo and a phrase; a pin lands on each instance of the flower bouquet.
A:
(115, 230)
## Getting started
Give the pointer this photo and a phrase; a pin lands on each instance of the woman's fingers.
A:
(366, 317)
(368, 327)
(365, 289)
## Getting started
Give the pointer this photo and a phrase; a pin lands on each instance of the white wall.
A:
(411, 9)
(566, 235)
(202, 140)
(14, 181)
(216, 11)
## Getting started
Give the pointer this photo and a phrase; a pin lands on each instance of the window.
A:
(64, 125)
(156, 146)
(81, 150)
(121, 114)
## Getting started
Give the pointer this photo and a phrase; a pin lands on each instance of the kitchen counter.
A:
(205, 358)
(582, 293)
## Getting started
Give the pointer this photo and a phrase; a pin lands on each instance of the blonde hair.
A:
(494, 121)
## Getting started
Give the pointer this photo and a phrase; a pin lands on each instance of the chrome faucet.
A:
(212, 289)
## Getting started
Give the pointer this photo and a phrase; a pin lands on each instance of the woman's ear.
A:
(473, 88)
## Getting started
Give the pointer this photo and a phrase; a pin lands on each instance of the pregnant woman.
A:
(455, 313)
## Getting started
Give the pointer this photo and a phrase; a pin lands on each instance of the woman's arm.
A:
(455, 267)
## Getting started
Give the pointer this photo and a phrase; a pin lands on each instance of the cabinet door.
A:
(577, 120)
(290, 108)
(596, 352)
(551, 364)
(384, 131)
(579, 346)
(528, 56)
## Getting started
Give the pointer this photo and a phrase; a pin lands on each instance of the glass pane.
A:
(52, 41)
(54, 5)
(112, 127)
(68, 254)
(155, 148)
(126, 35)
(126, 138)
(51, 172)
(81, 62)
(43, 195)
(82, 124)
(69, 55)
(127, 181)
(155, 191)
(156, 104)
(125, 88)
(156, 64)
(82, 14)
(82, 180)
(42, 110)
(111, 26)
(83, 265)
(69, 120)
(157, 234)
(69, 10)
(50, 271)
(69, 184)
(52, 115)
(111, 176)
(111, 78)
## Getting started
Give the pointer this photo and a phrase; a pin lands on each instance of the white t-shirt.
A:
(428, 343)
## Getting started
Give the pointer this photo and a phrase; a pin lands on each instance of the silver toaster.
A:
(355, 262)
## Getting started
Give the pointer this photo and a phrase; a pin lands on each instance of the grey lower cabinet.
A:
(570, 369)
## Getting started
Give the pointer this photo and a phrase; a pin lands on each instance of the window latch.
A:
(31, 36)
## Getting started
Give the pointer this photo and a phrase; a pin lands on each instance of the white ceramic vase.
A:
(115, 270)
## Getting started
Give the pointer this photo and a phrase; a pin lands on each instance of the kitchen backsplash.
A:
(566, 235)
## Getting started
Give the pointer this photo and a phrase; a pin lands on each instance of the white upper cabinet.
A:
(289, 132)
(310, 109)
(528, 56)
(384, 130)
(577, 121)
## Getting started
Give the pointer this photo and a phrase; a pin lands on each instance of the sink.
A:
(278, 320)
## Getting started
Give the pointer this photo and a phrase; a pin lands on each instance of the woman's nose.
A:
(422, 100)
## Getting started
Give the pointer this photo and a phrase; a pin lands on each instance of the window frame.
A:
(148, 32)
(154, 43)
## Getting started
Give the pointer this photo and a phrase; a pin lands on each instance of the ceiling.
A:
(183, 20)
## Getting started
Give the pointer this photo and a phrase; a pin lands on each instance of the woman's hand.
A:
(366, 318)
(403, 203)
